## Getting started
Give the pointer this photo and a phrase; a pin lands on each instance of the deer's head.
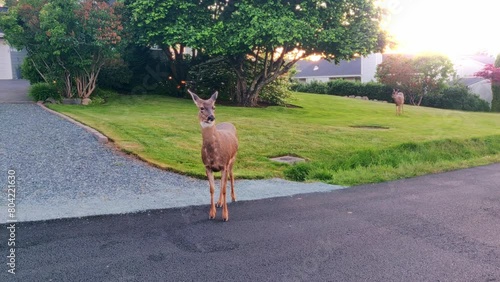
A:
(206, 114)
(394, 92)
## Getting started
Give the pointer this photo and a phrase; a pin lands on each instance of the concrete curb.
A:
(99, 136)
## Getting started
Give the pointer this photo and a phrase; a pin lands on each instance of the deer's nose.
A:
(211, 118)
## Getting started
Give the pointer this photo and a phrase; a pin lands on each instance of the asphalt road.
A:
(442, 227)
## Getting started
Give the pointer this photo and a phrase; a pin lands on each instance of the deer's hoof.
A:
(225, 219)
(219, 205)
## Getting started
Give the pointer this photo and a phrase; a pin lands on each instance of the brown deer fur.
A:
(218, 152)
(399, 99)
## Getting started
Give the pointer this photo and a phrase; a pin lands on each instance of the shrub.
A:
(115, 74)
(276, 92)
(495, 103)
(41, 91)
(297, 172)
(342, 87)
(104, 94)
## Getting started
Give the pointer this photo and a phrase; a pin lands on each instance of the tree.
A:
(174, 26)
(492, 72)
(417, 76)
(67, 41)
(261, 39)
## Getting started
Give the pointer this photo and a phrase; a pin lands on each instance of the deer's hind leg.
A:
(231, 178)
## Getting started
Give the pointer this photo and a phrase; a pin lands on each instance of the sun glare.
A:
(445, 26)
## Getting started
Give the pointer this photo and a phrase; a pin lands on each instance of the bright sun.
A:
(445, 26)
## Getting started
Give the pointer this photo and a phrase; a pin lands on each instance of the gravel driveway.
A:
(62, 171)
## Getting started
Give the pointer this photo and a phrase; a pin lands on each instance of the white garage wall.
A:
(5, 61)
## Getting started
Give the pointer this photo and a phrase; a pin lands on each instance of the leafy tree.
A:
(260, 39)
(417, 76)
(67, 42)
(174, 26)
(492, 72)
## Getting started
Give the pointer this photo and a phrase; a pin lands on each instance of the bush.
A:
(495, 103)
(297, 172)
(115, 74)
(104, 94)
(342, 87)
(42, 91)
(29, 72)
(276, 92)
(456, 98)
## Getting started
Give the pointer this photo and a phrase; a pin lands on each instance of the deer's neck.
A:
(210, 136)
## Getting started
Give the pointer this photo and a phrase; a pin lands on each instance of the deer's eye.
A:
(202, 109)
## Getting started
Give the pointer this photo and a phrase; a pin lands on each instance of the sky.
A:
(449, 27)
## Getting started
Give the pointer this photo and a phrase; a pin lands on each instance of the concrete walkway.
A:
(62, 171)
(14, 91)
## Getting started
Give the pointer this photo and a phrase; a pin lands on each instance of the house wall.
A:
(5, 61)
(326, 78)
(466, 67)
(369, 67)
(483, 89)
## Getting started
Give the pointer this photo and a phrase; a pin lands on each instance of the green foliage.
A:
(115, 74)
(29, 72)
(104, 94)
(457, 98)
(417, 76)
(42, 91)
(340, 87)
(67, 41)
(213, 75)
(257, 36)
(316, 87)
(495, 103)
(394, 157)
(297, 172)
(277, 92)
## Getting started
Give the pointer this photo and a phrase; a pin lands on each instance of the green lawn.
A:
(345, 141)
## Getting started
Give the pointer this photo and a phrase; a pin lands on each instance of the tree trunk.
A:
(495, 103)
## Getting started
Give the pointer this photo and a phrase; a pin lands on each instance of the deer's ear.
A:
(195, 97)
(214, 96)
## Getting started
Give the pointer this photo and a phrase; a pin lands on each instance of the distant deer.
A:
(218, 151)
(399, 99)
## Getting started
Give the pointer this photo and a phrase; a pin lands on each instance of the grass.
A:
(345, 141)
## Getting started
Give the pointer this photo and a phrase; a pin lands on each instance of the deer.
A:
(218, 151)
(399, 99)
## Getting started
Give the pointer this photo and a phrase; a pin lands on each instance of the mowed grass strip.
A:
(345, 141)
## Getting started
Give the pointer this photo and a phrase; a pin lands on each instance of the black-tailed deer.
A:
(399, 99)
(218, 151)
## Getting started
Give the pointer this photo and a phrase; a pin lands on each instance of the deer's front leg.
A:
(211, 182)
(223, 182)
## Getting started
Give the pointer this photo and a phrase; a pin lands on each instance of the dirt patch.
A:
(288, 159)
(370, 126)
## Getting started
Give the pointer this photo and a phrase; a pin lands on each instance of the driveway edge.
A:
(99, 136)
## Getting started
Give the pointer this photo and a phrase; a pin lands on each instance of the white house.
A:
(466, 66)
(361, 69)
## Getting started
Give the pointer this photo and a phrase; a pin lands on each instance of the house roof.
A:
(468, 81)
(324, 68)
(484, 59)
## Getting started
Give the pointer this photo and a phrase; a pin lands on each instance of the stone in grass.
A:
(288, 159)
(86, 101)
